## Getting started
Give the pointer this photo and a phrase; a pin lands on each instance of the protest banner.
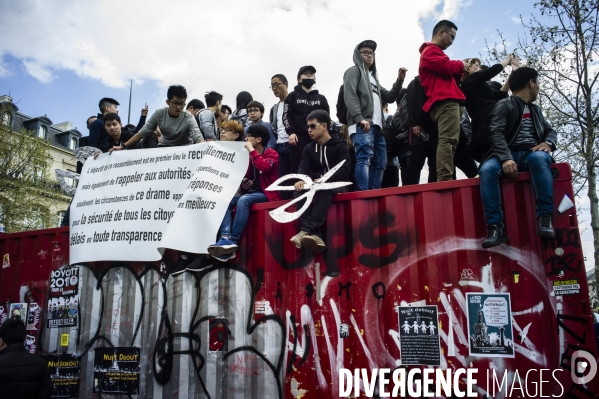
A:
(131, 205)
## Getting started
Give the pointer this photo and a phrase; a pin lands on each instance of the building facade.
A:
(62, 138)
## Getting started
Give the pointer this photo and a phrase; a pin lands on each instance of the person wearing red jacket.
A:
(262, 171)
(439, 77)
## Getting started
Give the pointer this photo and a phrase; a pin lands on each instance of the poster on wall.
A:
(65, 374)
(490, 325)
(18, 311)
(33, 317)
(419, 335)
(3, 314)
(30, 343)
(116, 370)
(64, 297)
(131, 205)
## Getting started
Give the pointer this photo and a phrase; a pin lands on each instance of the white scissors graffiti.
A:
(280, 215)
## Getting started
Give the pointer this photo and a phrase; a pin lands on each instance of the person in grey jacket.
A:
(207, 116)
(521, 141)
(363, 96)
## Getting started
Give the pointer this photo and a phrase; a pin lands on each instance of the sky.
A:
(61, 57)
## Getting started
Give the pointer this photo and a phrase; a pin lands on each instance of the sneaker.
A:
(546, 226)
(199, 264)
(224, 246)
(180, 266)
(313, 243)
(226, 257)
(495, 237)
(297, 239)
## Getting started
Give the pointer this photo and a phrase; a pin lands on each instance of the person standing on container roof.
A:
(240, 114)
(263, 170)
(255, 111)
(22, 374)
(280, 86)
(363, 96)
(98, 137)
(207, 116)
(177, 126)
(439, 76)
(299, 103)
(521, 141)
(195, 106)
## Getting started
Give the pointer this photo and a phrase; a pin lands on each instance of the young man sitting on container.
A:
(521, 141)
(318, 157)
(262, 171)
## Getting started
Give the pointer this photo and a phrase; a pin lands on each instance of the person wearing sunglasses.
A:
(363, 96)
(319, 157)
(178, 127)
(439, 77)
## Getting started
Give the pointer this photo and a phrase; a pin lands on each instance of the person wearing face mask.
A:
(299, 103)
(363, 96)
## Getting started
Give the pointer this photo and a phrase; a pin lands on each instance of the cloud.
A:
(38, 71)
(516, 19)
(224, 46)
(4, 69)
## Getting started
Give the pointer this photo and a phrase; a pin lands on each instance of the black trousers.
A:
(297, 150)
(316, 214)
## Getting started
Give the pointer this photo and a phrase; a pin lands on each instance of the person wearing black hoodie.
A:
(298, 105)
(319, 157)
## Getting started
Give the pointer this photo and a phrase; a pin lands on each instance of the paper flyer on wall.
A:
(18, 311)
(63, 301)
(65, 374)
(490, 325)
(116, 370)
(130, 205)
(419, 335)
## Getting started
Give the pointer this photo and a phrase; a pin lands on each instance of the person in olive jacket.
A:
(22, 375)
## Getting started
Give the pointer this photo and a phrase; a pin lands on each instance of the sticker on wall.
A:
(5, 261)
(65, 374)
(30, 344)
(64, 298)
(64, 339)
(18, 311)
(116, 370)
(33, 317)
(566, 287)
(3, 314)
(218, 340)
(343, 330)
(419, 335)
(490, 325)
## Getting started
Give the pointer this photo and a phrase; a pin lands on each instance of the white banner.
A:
(131, 205)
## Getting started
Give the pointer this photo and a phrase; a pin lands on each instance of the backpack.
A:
(341, 107)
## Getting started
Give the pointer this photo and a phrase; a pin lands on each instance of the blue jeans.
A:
(537, 163)
(371, 157)
(243, 203)
(284, 151)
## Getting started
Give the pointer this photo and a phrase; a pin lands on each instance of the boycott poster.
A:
(65, 373)
(419, 335)
(116, 370)
(490, 325)
(130, 205)
(64, 298)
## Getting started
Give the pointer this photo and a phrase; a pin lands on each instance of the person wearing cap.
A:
(299, 103)
(363, 96)
(439, 77)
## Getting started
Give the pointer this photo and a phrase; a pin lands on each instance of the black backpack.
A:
(341, 107)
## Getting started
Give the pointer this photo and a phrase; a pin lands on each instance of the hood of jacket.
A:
(425, 45)
(359, 62)
(301, 93)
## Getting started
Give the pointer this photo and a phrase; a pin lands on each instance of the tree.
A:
(25, 196)
(562, 43)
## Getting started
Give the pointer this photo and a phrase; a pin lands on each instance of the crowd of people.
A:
(452, 114)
